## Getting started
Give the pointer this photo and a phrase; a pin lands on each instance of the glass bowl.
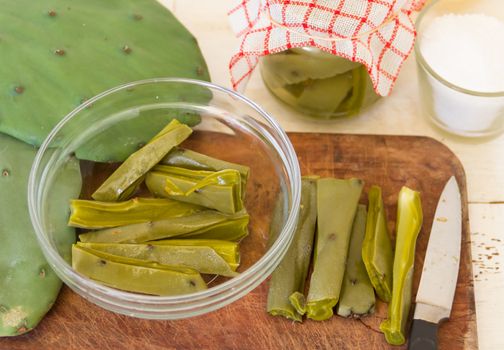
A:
(453, 108)
(229, 126)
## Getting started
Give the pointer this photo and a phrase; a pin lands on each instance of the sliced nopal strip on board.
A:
(286, 290)
(337, 202)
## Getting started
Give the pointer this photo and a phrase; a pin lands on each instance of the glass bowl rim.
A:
(290, 162)
(425, 65)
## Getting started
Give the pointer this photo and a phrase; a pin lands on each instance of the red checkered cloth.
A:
(377, 33)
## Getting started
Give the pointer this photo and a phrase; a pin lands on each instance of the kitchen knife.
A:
(440, 270)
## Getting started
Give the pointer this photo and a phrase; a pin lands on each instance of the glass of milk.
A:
(460, 57)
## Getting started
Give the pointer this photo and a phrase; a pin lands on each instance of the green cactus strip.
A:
(286, 288)
(28, 286)
(296, 66)
(185, 158)
(124, 181)
(135, 275)
(229, 251)
(200, 258)
(235, 228)
(377, 249)
(322, 95)
(357, 294)
(94, 214)
(337, 202)
(219, 190)
(409, 223)
(204, 224)
(55, 54)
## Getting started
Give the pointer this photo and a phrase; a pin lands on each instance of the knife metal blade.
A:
(440, 270)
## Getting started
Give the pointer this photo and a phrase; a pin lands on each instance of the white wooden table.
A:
(398, 114)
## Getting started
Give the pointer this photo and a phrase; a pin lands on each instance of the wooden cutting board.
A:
(389, 161)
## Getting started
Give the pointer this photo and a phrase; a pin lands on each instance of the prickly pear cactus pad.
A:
(28, 286)
(55, 54)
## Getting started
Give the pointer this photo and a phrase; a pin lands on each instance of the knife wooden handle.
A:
(423, 335)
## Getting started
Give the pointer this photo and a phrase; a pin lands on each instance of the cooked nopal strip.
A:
(409, 223)
(336, 206)
(124, 181)
(357, 295)
(229, 251)
(210, 223)
(286, 288)
(219, 190)
(200, 258)
(185, 158)
(94, 214)
(133, 275)
(377, 248)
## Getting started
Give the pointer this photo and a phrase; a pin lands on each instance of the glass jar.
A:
(317, 83)
(459, 110)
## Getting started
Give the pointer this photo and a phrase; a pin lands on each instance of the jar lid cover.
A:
(377, 33)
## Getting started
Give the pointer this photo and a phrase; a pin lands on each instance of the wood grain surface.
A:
(389, 161)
